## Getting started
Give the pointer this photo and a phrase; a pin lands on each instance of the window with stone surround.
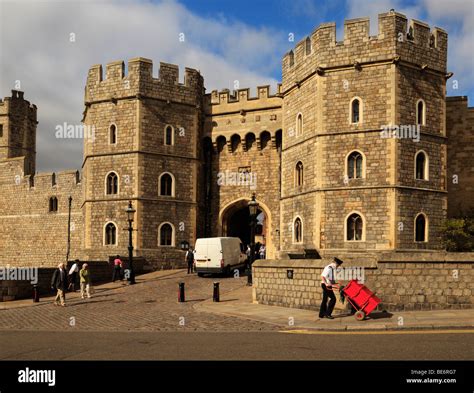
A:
(292, 58)
(308, 46)
(299, 124)
(53, 205)
(111, 187)
(355, 165)
(166, 234)
(421, 166)
(420, 113)
(421, 228)
(110, 234)
(356, 111)
(113, 134)
(169, 136)
(1, 130)
(299, 174)
(298, 230)
(354, 227)
(166, 181)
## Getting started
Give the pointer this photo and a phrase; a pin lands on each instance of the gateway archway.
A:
(235, 221)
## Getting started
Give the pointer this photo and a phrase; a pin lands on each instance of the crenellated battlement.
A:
(241, 100)
(397, 38)
(51, 181)
(138, 80)
(17, 100)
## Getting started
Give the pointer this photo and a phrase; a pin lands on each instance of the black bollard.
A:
(36, 295)
(181, 292)
(215, 296)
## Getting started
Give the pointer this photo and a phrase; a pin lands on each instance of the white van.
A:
(218, 255)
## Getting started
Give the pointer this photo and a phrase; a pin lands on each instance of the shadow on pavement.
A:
(380, 315)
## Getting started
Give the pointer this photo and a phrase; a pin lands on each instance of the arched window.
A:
(249, 141)
(355, 111)
(421, 166)
(111, 187)
(355, 227)
(235, 142)
(278, 140)
(110, 234)
(420, 113)
(297, 231)
(299, 174)
(265, 138)
(53, 204)
(169, 135)
(166, 234)
(421, 228)
(292, 58)
(308, 45)
(113, 134)
(355, 162)
(299, 124)
(53, 179)
(166, 185)
(221, 143)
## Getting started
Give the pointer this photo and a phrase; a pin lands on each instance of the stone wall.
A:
(421, 281)
(255, 124)
(31, 235)
(460, 131)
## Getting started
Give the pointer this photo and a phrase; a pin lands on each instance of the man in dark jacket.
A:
(190, 260)
(60, 283)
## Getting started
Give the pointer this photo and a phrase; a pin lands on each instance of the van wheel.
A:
(227, 271)
(200, 274)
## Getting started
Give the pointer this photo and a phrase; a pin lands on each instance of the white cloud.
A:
(36, 50)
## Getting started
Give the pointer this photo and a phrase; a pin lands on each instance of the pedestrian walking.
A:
(256, 251)
(117, 269)
(60, 284)
(328, 280)
(262, 251)
(190, 260)
(248, 252)
(85, 279)
(73, 275)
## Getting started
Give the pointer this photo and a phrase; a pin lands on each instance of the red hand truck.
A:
(361, 298)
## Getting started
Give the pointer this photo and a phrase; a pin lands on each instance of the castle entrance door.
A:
(236, 223)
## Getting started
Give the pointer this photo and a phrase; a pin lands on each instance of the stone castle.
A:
(359, 151)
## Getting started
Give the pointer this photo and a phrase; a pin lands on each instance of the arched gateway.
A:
(234, 220)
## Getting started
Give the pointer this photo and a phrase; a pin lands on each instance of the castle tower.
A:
(145, 150)
(363, 189)
(18, 130)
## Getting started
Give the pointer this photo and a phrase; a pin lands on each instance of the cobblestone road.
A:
(147, 306)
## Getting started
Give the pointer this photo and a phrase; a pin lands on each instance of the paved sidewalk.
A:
(238, 303)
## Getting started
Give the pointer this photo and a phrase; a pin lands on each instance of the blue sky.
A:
(238, 41)
(302, 16)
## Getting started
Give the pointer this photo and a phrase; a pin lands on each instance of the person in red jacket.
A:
(117, 269)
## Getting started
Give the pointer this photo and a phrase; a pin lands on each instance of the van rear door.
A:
(201, 255)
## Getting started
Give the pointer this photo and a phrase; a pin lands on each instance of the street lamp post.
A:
(253, 207)
(130, 213)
